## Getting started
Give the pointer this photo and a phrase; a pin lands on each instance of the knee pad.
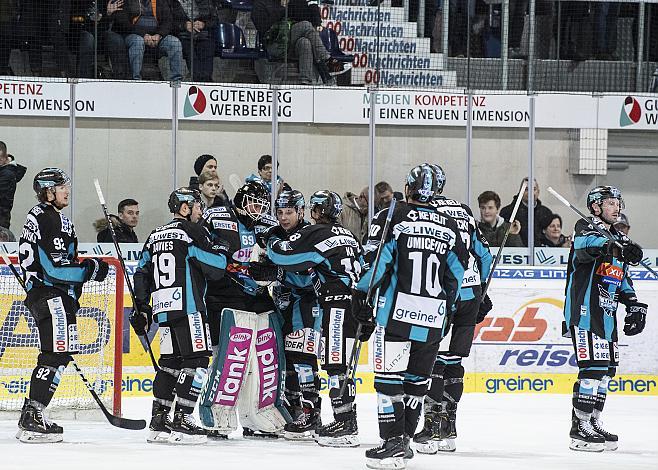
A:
(389, 384)
(195, 363)
(415, 385)
(587, 373)
(54, 359)
(336, 369)
(171, 365)
(301, 358)
(454, 370)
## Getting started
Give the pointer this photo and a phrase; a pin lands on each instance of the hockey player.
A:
(333, 253)
(296, 298)
(54, 279)
(419, 274)
(176, 260)
(597, 279)
(447, 386)
(238, 302)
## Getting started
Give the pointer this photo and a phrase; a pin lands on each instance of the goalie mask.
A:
(252, 202)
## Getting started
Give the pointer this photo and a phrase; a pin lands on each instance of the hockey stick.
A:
(502, 244)
(117, 421)
(356, 348)
(606, 234)
(101, 199)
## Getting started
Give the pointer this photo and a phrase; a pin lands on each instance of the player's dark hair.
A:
(264, 160)
(383, 186)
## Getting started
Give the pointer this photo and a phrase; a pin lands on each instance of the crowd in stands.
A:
(114, 38)
(493, 220)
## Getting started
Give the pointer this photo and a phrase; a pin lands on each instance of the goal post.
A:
(100, 332)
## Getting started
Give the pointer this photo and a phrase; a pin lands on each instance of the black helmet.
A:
(183, 195)
(440, 176)
(422, 183)
(290, 199)
(327, 203)
(601, 193)
(49, 178)
(251, 201)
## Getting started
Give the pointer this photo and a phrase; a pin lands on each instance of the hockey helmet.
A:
(326, 203)
(290, 199)
(422, 184)
(440, 176)
(49, 178)
(181, 196)
(601, 193)
(251, 201)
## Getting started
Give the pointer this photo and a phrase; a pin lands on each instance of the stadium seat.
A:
(239, 5)
(231, 43)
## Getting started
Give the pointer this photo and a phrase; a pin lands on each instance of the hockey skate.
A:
(389, 455)
(343, 432)
(408, 451)
(34, 428)
(438, 434)
(584, 438)
(304, 427)
(160, 426)
(215, 435)
(611, 440)
(185, 431)
(249, 433)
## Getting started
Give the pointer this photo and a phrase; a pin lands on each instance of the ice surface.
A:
(495, 432)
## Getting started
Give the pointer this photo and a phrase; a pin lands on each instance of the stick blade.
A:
(125, 423)
(99, 192)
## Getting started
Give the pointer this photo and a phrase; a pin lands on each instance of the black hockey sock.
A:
(47, 375)
(309, 384)
(164, 384)
(341, 404)
(188, 388)
(44, 382)
(292, 392)
(415, 388)
(453, 382)
(391, 415)
(435, 392)
(584, 393)
(601, 394)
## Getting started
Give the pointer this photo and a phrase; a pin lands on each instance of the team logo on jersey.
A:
(167, 300)
(224, 225)
(417, 310)
(607, 301)
(611, 274)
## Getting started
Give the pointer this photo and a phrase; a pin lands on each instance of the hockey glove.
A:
(636, 318)
(272, 232)
(485, 308)
(631, 253)
(141, 319)
(265, 272)
(95, 269)
(361, 311)
(367, 328)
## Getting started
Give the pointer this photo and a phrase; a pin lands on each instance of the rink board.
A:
(517, 349)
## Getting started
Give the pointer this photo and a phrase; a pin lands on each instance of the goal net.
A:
(100, 325)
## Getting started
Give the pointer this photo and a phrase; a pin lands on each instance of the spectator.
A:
(541, 211)
(383, 195)
(9, 17)
(212, 191)
(623, 225)
(148, 23)
(109, 42)
(305, 39)
(355, 213)
(492, 225)
(605, 29)
(6, 235)
(207, 163)
(194, 21)
(517, 10)
(264, 175)
(551, 233)
(10, 174)
(124, 225)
